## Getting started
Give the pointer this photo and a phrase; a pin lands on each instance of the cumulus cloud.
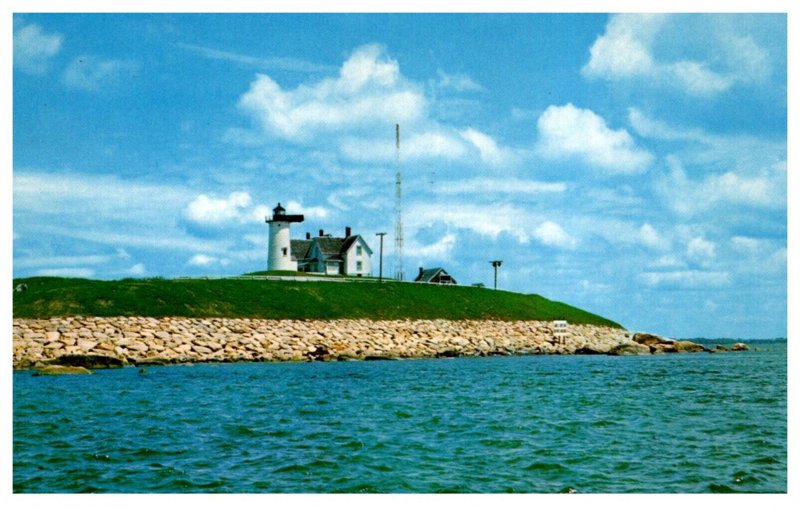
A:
(552, 234)
(765, 189)
(488, 148)
(217, 211)
(201, 260)
(33, 48)
(439, 250)
(90, 73)
(628, 49)
(624, 49)
(567, 131)
(368, 91)
(310, 212)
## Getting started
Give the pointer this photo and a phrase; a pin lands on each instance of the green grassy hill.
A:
(58, 297)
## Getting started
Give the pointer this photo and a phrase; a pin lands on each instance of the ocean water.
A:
(689, 423)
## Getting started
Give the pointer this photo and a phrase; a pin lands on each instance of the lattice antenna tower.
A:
(398, 210)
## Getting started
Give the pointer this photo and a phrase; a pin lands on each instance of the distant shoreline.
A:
(116, 341)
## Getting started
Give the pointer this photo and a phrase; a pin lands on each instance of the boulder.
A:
(88, 361)
(62, 370)
(720, 348)
(686, 346)
(588, 350)
(626, 349)
(648, 339)
(739, 346)
(662, 348)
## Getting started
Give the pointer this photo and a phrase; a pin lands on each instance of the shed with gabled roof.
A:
(435, 275)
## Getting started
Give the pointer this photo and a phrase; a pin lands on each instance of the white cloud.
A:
(697, 79)
(33, 48)
(103, 209)
(653, 128)
(765, 189)
(651, 238)
(459, 82)
(137, 269)
(666, 261)
(310, 212)
(690, 279)
(91, 73)
(624, 49)
(701, 250)
(203, 260)
(490, 152)
(281, 63)
(746, 244)
(215, 211)
(440, 250)
(552, 234)
(567, 131)
(368, 91)
(712, 58)
(504, 218)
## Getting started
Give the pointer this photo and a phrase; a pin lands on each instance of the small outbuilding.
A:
(435, 275)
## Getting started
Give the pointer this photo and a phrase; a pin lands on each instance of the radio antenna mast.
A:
(398, 208)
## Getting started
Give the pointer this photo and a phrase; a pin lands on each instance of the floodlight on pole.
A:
(495, 265)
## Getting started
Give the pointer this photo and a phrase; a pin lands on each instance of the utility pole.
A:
(380, 274)
(398, 210)
(495, 265)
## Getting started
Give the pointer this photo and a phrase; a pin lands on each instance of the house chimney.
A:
(347, 231)
(308, 236)
(321, 233)
(420, 272)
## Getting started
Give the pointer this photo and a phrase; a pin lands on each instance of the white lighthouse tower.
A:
(280, 240)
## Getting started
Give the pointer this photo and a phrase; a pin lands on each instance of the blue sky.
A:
(632, 165)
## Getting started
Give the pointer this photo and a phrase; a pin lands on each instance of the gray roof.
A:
(429, 274)
(329, 245)
(300, 248)
(331, 248)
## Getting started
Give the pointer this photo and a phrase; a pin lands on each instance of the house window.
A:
(358, 266)
(284, 251)
(358, 252)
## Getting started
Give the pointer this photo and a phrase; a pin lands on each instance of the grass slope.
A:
(59, 297)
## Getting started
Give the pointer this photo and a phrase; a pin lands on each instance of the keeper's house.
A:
(349, 255)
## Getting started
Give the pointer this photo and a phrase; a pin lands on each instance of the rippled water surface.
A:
(673, 423)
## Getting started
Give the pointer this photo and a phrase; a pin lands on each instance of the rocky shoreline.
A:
(117, 341)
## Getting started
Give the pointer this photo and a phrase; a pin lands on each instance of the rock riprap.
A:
(147, 340)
